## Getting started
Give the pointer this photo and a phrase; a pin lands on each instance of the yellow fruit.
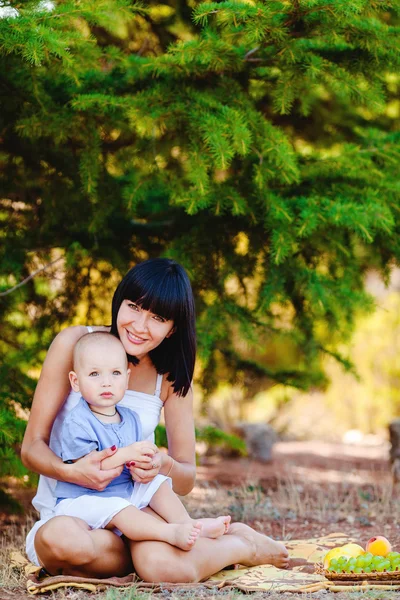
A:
(334, 553)
(348, 550)
(353, 549)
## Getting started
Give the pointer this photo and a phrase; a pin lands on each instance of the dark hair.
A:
(162, 286)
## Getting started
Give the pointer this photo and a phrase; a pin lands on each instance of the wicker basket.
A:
(385, 577)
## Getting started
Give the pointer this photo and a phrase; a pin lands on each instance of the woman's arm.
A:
(52, 389)
(180, 462)
(179, 422)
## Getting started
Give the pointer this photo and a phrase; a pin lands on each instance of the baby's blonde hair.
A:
(92, 339)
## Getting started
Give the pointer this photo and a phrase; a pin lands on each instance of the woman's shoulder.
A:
(164, 387)
(168, 393)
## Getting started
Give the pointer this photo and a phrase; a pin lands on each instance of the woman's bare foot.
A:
(262, 549)
(214, 528)
(184, 536)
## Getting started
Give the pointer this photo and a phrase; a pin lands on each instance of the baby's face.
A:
(101, 374)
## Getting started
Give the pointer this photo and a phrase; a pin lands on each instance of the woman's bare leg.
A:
(157, 561)
(265, 550)
(67, 546)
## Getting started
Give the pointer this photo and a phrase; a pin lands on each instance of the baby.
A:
(101, 375)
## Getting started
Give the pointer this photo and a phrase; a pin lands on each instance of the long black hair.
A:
(162, 286)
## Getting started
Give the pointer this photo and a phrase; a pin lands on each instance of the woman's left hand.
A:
(145, 472)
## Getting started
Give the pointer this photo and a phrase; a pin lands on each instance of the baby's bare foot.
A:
(214, 528)
(184, 536)
(262, 549)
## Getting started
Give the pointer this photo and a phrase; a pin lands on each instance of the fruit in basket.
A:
(367, 570)
(342, 563)
(387, 565)
(375, 562)
(383, 565)
(368, 558)
(351, 558)
(378, 545)
(347, 551)
(331, 555)
(352, 564)
(358, 570)
(353, 549)
(361, 562)
(343, 566)
(394, 558)
(392, 555)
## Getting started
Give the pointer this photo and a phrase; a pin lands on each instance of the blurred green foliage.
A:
(256, 142)
(213, 437)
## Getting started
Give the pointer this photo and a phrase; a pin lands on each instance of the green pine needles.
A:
(255, 141)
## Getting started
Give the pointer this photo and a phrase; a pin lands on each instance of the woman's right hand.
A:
(87, 472)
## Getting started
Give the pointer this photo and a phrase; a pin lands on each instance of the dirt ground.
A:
(309, 489)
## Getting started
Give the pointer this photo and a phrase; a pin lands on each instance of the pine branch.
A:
(31, 276)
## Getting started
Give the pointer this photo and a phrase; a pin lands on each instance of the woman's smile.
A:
(134, 338)
(140, 330)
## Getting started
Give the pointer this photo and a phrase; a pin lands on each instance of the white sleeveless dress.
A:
(147, 406)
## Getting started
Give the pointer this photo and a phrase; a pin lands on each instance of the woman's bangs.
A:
(161, 296)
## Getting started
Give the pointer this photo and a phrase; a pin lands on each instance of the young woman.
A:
(153, 316)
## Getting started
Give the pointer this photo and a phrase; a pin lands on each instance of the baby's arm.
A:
(138, 452)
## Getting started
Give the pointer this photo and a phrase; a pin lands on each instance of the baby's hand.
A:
(141, 452)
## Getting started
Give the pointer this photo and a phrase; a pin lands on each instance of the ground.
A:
(309, 489)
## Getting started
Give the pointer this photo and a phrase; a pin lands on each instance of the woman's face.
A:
(141, 330)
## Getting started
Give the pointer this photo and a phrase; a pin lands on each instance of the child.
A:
(101, 375)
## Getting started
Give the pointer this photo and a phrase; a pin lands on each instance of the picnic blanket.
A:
(299, 578)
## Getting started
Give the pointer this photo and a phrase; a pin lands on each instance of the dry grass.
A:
(12, 539)
(288, 501)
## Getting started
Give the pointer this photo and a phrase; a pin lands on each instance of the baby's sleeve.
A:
(76, 441)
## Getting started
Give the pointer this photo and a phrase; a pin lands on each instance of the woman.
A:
(153, 315)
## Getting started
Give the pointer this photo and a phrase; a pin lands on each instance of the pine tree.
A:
(257, 143)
